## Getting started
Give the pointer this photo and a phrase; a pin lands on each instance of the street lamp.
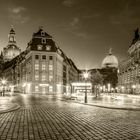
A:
(86, 75)
(24, 86)
(3, 81)
(122, 88)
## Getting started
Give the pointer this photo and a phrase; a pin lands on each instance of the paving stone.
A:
(43, 119)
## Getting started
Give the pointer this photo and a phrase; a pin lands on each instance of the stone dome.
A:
(110, 61)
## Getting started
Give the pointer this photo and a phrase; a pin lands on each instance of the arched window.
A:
(43, 40)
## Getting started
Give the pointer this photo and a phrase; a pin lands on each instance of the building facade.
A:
(129, 69)
(105, 77)
(42, 68)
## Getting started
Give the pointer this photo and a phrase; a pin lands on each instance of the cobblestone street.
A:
(46, 118)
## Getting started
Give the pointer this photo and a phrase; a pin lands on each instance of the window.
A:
(43, 40)
(50, 88)
(36, 77)
(39, 47)
(59, 51)
(42, 33)
(50, 57)
(36, 89)
(36, 66)
(50, 78)
(43, 77)
(50, 67)
(37, 72)
(36, 56)
(43, 56)
(43, 89)
(48, 47)
(43, 66)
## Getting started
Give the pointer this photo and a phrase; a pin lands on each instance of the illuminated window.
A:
(36, 77)
(50, 88)
(50, 78)
(36, 89)
(59, 51)
(39, 47)
(36, 66)
(43, 77)
(43, 66)
(48, 47)
(50, 67)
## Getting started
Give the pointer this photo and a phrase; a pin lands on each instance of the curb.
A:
(13, 108)
(123, 108)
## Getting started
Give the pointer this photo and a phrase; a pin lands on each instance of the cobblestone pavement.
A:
(44, 118)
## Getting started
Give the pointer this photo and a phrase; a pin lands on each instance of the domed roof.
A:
(12, 47)
(110, 61)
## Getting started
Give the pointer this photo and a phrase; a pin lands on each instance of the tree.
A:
(96, 80)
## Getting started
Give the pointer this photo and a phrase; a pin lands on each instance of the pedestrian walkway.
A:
(6, 105)
(106, 101)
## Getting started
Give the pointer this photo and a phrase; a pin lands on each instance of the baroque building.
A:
(42, 68)
(108, 72)
(110, 61)
(11, 50)
(129, 69)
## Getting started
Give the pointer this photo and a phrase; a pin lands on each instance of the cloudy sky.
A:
(84, 29)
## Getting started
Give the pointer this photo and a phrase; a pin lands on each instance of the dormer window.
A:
(43, 40)
(39, 47)
(42, 33)
(48, 47)
(59, 51)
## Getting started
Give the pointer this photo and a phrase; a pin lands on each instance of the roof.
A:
(110, 61)
(41, 33)
(136, 37)
(12, 31)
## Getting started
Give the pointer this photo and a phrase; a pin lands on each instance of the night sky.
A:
(84, 29)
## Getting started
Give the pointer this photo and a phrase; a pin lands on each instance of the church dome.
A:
(110, 61)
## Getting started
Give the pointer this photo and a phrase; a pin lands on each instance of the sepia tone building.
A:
(11, 50)
(108, 72)
(42, 68)
(109, 68)
(129, 69)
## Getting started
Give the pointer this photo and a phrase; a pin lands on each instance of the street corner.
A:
(104, 104)
(5, 108)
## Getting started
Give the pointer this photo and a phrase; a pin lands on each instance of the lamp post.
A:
(24, 86)
(86, 75)
(3, 81)
(122, 89)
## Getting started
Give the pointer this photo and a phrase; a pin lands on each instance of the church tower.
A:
(11, 50)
